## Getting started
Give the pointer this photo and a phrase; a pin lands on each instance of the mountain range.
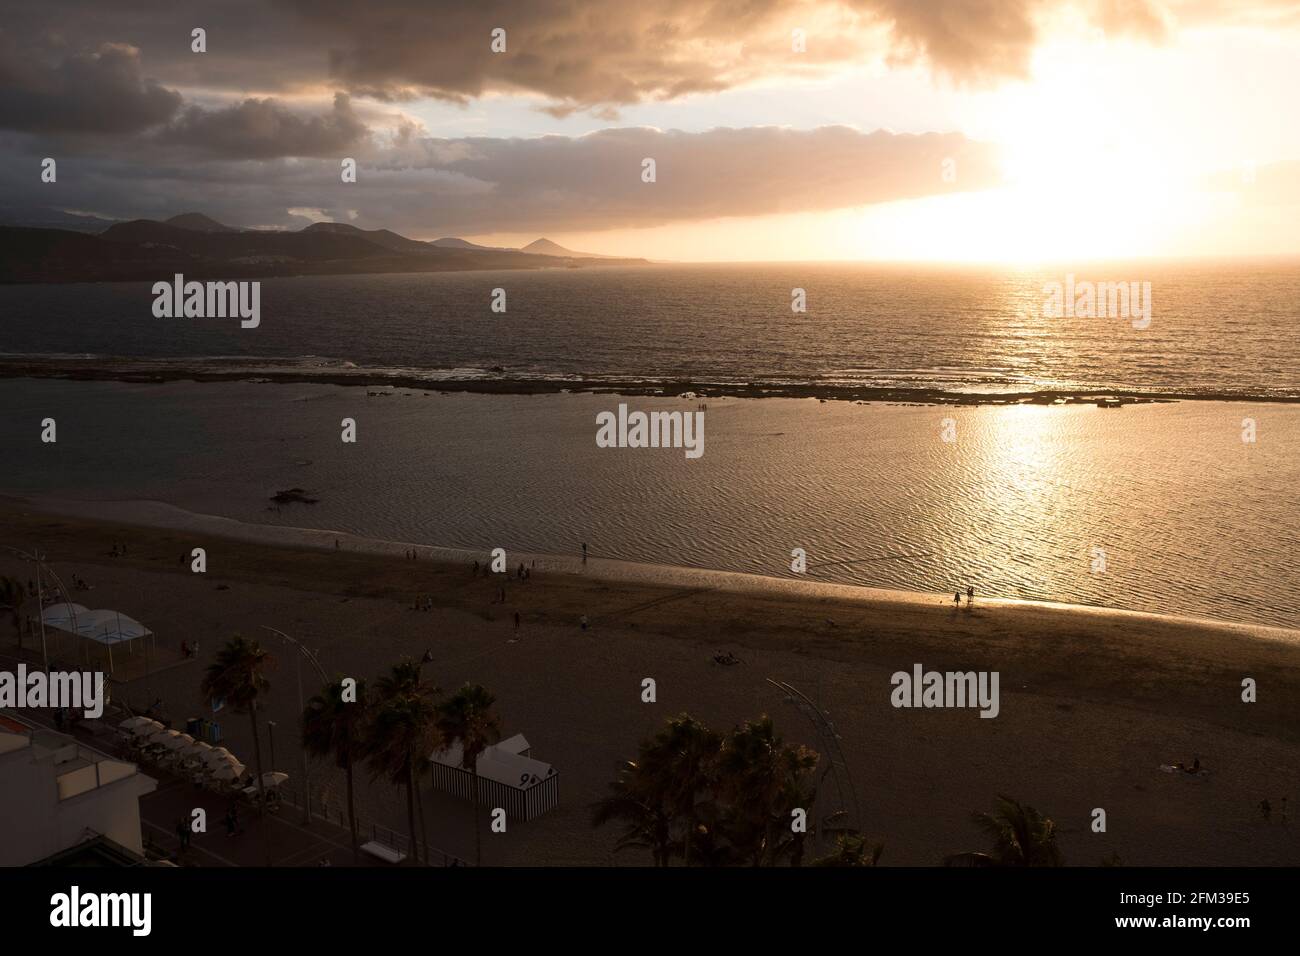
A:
(200, 247)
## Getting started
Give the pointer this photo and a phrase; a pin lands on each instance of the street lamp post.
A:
(270, 725)
(38, 559)
(320, 671)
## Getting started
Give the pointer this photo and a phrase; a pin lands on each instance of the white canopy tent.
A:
(102, 626)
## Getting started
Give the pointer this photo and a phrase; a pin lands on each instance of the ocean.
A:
(1216, 330)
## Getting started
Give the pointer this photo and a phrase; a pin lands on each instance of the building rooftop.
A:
(78, 768)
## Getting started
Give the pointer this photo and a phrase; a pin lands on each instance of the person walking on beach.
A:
(516, 622)
(970, 595)
(584, 552)
(476, 567)
(956, 598)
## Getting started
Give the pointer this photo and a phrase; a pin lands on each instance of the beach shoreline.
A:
(164, 516)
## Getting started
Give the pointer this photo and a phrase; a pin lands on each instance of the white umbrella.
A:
(218, 756)
(147, 729)
(272, 778)
(178, 742)
(195, 750)
(131, 723)
(160, 737)
(228, 772)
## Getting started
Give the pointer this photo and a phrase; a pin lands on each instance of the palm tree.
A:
(403, 732)
(1021, 837)
(407, 677)
(237, 676)
(335, 727)
(468, 717)
(640, 799)
(684, 752)
(762, 781)
(851, 850)
(404, 678)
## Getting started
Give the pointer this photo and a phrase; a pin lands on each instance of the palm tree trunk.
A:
(410, 813)
(352, 818)
(261, 789)
(419, 807)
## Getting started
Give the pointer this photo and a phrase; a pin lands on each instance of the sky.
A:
(965, 130)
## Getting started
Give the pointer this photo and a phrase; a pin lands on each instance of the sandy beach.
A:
(1093, 702)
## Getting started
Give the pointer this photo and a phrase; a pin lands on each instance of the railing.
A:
(337, 816)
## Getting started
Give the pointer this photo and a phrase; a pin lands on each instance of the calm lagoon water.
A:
(1191, 519)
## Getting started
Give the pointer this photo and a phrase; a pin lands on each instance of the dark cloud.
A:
(429, 187)
(975, 40)
(595, 181)
(265, 129)
(96, 92)
(594, 54)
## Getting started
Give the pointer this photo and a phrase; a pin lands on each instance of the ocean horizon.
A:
(870, 331)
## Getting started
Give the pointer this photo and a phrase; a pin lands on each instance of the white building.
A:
(56, 792)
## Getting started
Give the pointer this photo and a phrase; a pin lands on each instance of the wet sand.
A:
(1092, 701)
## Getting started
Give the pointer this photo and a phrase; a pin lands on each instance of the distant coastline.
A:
(202, 248)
